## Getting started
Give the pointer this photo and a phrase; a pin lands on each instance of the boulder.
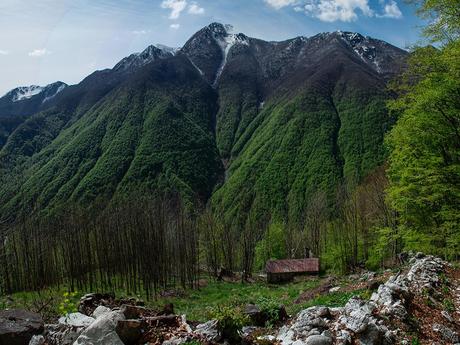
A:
(358, 318)
(334, 289)
(61, 334)
(209, 330)
(424, 272)
(37, 340)
(393, 297)
(17, 327)
(102, 331)
(76, 320)
(318, 340)
(311, 321)
(99, 311)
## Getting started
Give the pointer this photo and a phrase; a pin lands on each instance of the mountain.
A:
(21, 102)
(150, 54)
(249, 125)
(26, 100)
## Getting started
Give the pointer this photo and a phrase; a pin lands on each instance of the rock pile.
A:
(367, 322)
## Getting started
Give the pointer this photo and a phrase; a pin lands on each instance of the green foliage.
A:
(216, 294)
(271, 307)
(69, 303)
(443, 18)
(151, 134)
(231, 319)
(381, 249)
(425, 149)
(299, 145)
(448, 305)
(335, 299)
(272, 246)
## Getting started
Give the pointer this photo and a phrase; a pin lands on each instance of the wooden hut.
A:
(285, 270)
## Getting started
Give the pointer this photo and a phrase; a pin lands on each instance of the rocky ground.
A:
(418, 305)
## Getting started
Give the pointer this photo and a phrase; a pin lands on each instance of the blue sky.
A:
(42, 41)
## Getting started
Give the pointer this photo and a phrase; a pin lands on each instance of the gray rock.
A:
(99, 311)
(61, 334)
(247, 331)
(446, 333)
(176, 341)
(392, 297)
(37, 340)
(447, 316)
(209, 330)
(311, 321)
(358, 318)
(17, 327)
(102, 331)
(318, 340)
(343, 338)
(76, 320)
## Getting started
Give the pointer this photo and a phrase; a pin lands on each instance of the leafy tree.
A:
(424, 160)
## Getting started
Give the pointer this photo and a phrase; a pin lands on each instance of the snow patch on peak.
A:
(148, 55)
(59, 89)
(363, 47)
(167, 49)
(226, 42)
(25, 92)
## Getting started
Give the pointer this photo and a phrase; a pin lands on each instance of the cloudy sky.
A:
(42, 41)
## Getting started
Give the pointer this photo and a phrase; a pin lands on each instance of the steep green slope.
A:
(155, 130)
(301, 143)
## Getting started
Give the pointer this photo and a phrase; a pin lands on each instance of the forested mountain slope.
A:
(249, 124)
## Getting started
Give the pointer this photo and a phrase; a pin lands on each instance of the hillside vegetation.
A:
(240, 150)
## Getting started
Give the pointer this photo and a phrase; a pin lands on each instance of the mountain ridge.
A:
(262, 103)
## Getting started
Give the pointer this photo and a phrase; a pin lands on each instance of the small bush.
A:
(69, 304)
(271, 308)
(230, 319)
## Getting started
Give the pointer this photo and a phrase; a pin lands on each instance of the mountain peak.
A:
(26, 92)
(220, 29)
(149, 54)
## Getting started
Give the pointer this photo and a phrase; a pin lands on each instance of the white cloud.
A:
(338, 10)
(175, 26)
(194, 8)
(39, 52)
(176, 7)
(391, 10)
(277, 4)
(4, 52)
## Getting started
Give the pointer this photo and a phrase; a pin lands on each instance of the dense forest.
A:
(144, 188)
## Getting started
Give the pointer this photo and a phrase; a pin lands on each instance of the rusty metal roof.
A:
(310, 265)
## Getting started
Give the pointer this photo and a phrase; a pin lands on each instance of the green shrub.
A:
(230, 319)
(69, 303)
(271, 308)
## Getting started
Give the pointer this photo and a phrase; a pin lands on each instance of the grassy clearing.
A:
(196, 304)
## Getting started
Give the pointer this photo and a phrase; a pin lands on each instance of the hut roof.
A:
(310, 265)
